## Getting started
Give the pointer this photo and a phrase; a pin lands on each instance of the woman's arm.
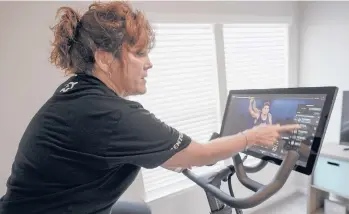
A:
(254, 112)
(196, 154)
(255, 108)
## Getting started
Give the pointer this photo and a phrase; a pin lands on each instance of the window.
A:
(182, 91)
(256, 56)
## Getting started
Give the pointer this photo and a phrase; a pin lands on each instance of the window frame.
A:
(218, 21)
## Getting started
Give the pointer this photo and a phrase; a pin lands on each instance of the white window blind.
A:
(182, 91)
(256, 56)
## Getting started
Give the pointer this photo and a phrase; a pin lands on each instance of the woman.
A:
(261, 117)
(87, 143)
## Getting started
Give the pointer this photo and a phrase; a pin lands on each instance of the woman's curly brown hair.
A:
(113, 27)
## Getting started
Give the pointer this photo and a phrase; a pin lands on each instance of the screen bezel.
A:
(329, 91)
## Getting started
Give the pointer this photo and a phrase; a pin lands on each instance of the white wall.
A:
(324, 52)
(27, 79)
(324, 55)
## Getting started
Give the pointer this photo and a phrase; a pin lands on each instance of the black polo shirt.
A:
(83, 149)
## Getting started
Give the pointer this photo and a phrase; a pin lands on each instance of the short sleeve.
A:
(140, 138)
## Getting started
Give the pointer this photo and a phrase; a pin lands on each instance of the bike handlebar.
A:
(262, 192)
(257, 168)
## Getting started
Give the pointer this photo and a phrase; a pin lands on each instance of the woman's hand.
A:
(267, 135)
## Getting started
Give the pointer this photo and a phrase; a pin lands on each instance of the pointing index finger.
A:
(289, 127)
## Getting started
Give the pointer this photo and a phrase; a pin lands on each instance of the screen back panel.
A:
(308, 106)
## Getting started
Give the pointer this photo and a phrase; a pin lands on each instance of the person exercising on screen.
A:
(262, 117)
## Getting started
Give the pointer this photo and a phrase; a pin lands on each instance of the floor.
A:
(295, 204)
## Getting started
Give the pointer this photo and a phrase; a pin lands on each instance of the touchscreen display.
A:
(246, 111)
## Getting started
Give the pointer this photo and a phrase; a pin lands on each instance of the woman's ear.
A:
(103, 60)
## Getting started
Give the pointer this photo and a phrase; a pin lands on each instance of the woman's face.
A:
(265, 109)
(132, 79)
(136, 72)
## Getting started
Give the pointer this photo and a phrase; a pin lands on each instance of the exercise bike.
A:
(316, 103)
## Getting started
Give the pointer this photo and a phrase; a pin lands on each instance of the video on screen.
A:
(245, 112)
